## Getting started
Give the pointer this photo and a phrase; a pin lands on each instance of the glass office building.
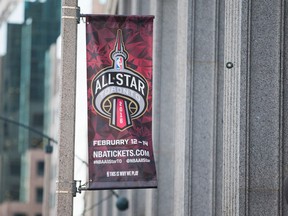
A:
(22, 94)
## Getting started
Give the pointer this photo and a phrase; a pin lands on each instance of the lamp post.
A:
(65, 182)
(48, 147)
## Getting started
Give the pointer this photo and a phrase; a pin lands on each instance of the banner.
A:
(119, 80)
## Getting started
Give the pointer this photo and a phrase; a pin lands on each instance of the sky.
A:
(16, 17)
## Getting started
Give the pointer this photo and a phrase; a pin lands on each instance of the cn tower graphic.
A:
(119, 93)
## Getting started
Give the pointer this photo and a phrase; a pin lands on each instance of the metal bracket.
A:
(74, 188)
(78, 187)
(78, 15)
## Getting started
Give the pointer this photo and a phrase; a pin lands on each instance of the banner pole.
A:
(65, 183)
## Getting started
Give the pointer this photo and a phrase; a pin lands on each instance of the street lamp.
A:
(48, 147)
(122, 203)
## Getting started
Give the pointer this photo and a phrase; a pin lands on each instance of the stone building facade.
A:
(220, 99)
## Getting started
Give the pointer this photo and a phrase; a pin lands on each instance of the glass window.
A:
(15, 168)
(40, 168)
(14, 192)
(37, 119)
(20, 214)
(39, 195)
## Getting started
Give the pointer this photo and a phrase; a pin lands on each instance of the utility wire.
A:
(97, 204)
(81, 160)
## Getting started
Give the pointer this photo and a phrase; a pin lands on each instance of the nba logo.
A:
(119, 63)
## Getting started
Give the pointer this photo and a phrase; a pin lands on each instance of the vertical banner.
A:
(119, 78)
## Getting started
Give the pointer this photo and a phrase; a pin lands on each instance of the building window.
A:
(40, 168)
(38, 119)
(15, 168)
(39, 195)
(20, 214)
(6, 130)
(13, 192)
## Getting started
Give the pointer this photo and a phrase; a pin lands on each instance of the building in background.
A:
(40, 29)
(34, 165)
(51, 124)
(22, 93)
(10, 94)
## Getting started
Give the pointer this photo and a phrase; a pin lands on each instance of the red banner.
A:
(119, 80)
